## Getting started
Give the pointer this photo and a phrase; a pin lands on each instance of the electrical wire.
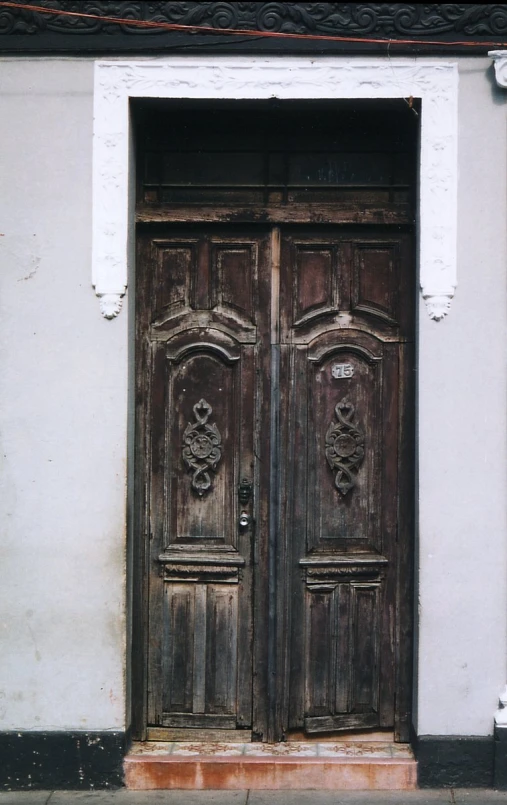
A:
(174, 26)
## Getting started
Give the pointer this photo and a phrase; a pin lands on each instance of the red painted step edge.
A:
(200, 772)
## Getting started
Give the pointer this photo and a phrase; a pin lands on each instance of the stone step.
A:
(318, 766)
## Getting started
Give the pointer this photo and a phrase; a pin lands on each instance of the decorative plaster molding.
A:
(500, 61)
(110, 304)
(438, 306)
(234, 77)
(501, 713)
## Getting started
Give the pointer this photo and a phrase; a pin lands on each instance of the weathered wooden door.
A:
(204, 344)
(346, 311)
(274, 392)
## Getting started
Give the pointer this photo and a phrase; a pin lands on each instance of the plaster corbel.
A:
(501, 713)
(500, 61)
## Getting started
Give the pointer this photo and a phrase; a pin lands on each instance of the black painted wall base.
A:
(501, 758)
(73, 760)
(88, 760)
(453, 761)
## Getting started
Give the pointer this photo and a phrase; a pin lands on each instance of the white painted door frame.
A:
(435, 83)
(234, 77)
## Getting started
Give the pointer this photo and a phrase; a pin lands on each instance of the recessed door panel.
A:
(234, 277)
(342, 656)
(315, 273)
(175, 265)
(344, 448)
(375, 280)
(203, 431)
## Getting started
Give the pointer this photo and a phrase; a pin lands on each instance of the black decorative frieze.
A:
(22, 29)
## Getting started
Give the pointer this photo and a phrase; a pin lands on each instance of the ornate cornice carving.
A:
(248, 77)
(21, 29)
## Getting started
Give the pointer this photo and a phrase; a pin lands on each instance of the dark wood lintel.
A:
(338, 213)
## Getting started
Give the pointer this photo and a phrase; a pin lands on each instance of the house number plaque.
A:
(340, 370)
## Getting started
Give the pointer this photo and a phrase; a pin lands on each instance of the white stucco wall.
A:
(462, 440)
(63, 391)
(63, 420)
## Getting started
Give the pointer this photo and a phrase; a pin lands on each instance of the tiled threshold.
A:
(328, 765)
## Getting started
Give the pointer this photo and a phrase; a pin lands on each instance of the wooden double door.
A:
(274, 464)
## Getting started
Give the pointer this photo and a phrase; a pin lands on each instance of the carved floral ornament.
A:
(202, 448)
(344, 447)
(250, 77)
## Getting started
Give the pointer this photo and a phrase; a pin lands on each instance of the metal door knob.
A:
(244, 520)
